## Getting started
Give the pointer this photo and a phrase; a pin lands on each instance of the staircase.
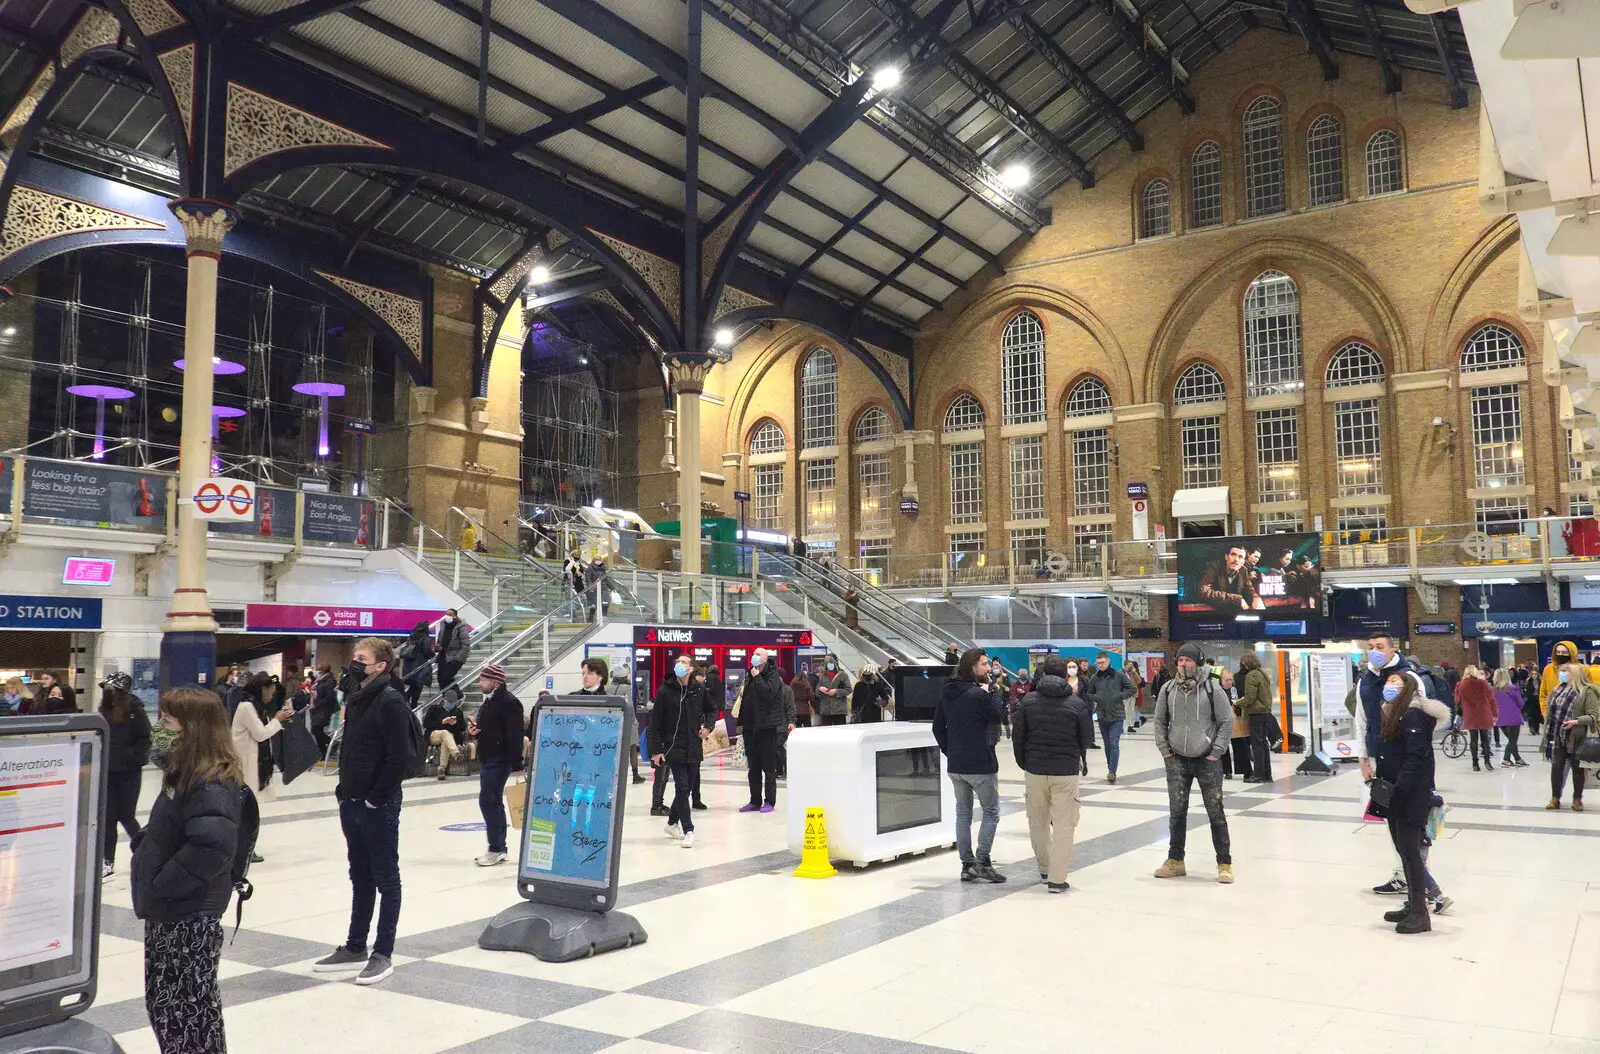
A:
(525, 642)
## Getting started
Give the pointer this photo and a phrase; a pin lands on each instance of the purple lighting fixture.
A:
(99, 393)
(217, 414)
(323, 390)
(219, 367)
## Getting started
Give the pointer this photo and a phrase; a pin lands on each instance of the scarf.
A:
(1560, 705)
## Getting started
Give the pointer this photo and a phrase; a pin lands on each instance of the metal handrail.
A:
(548, 570)
(929, 636)
(515, 644)
(496, 579)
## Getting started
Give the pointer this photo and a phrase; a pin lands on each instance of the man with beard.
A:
(1227, 585)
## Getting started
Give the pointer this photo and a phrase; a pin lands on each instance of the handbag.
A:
(1382, 792)
(1588, 752)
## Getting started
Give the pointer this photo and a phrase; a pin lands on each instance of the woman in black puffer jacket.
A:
(183, 874)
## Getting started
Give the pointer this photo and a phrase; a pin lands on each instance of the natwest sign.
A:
(334, 620)
(718, 636)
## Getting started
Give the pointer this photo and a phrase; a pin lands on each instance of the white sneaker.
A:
(491, 858)
(688, 840)
(106, 869)
(674, 831)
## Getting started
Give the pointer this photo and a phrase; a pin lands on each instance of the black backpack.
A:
(249, 831)
(416, 744)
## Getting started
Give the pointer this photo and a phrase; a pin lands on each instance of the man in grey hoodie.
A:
(1193, 725)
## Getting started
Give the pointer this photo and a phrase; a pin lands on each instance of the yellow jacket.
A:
(1547, 680)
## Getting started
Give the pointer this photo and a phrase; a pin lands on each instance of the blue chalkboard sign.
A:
(572, 825)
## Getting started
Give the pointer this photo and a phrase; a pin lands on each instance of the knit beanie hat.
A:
(1193, 651)
(494, 672)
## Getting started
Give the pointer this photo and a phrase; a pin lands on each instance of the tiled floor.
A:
(903, 958)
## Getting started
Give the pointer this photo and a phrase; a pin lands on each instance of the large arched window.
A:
(1022, 369)
(1199, 438)
(1325, 160)
(819, 400)
(1496, 413)
(1354, 364)
(1088, 398)
(1272, 359)
(1155, 209)
(1205, 185)
(872, 425)
(767, 455)
(1385, 170)
(1357, 432)
(1263, 157)
(966, 461)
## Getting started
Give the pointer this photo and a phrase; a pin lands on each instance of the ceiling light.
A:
(539, 275)
(723, 336)
(1364, 585)
(886, 78)
(1487, 581)
(1247, 618)
(9, 331)
(1016, 175)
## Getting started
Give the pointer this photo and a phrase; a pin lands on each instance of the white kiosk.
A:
(883, 788)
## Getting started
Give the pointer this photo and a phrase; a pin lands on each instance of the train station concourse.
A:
(772, 526)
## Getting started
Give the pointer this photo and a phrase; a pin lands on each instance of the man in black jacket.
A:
(681, 716)
(372, 764)
(1049, 734)
(766, 715)
(966, 725)
(446, 727)
(498, 727)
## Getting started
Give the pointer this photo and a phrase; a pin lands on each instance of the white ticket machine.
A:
(882, 786)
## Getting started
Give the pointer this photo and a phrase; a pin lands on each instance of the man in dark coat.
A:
(498, 727)
(1050, 732)
(680, 718)
(966, 725)
(766, 715)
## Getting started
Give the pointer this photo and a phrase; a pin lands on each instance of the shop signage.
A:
(1441, 629)
(24, 612)
(82, 571)
(98, 495)
(1143, 632)
(364, 428)
(331, 620)
(715, 636)
(741, 495)
(274, 517)
(1138, 490)
(1531, 623)
(333, 518)
(1584, 594)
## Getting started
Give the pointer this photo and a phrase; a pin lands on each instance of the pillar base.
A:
(188, 657)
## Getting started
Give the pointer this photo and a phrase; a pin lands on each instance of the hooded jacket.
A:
(1194, 721)
(1051, 730)
(966, 725)
(767, 704)
(1547, 679)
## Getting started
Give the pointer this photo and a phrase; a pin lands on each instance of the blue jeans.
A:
(492, 776)
(1111, 732)
(372, 841)
(987, 788)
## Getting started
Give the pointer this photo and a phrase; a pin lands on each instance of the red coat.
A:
(1475, 697)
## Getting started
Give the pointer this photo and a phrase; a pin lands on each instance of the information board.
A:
(572, 826)
(51, 798)
(1331, 678)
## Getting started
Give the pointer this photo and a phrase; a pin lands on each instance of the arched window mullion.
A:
(1325, 161)
(1022, 369)
(1155, 209)
(1263, 158)
(819, 400)
(1274, 363)
(1205, 185)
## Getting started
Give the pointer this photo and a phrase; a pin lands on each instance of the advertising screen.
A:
(1271, 576)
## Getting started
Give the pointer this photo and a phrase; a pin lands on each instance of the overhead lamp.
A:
(539, 275)
(1247, 618)
(1550, 29)
(9, 331)
(1016, 175)
(885, 78)
(723, 337)
(1577, 235)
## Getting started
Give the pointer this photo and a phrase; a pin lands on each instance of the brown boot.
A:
(1577, 804)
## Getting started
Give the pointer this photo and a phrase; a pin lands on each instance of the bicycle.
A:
(1454, 742)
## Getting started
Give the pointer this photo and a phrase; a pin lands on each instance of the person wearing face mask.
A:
(681, 717)
(1574, 710)
(1107, 691)
(1193, 725)
(372, 764)
(766, 714)
(1563, 655)
(870, 696)
(54, 696)
(833, 693)
(1406, 762)
(446, 727)
(451, 648)
(1075, 686)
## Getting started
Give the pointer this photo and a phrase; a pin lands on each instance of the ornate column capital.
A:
(689, 373)
(205, 224)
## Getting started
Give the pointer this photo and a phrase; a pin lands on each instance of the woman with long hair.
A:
(1573, 710)
(1476, 704)
(127, 751)
(1508, 702)
(183, 871)
(1407, 738)
(260, 716)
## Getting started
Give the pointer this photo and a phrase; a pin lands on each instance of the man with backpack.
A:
(382, 746)
(1194, 722)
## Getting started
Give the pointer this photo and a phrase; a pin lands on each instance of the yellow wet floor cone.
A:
(814, 861)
